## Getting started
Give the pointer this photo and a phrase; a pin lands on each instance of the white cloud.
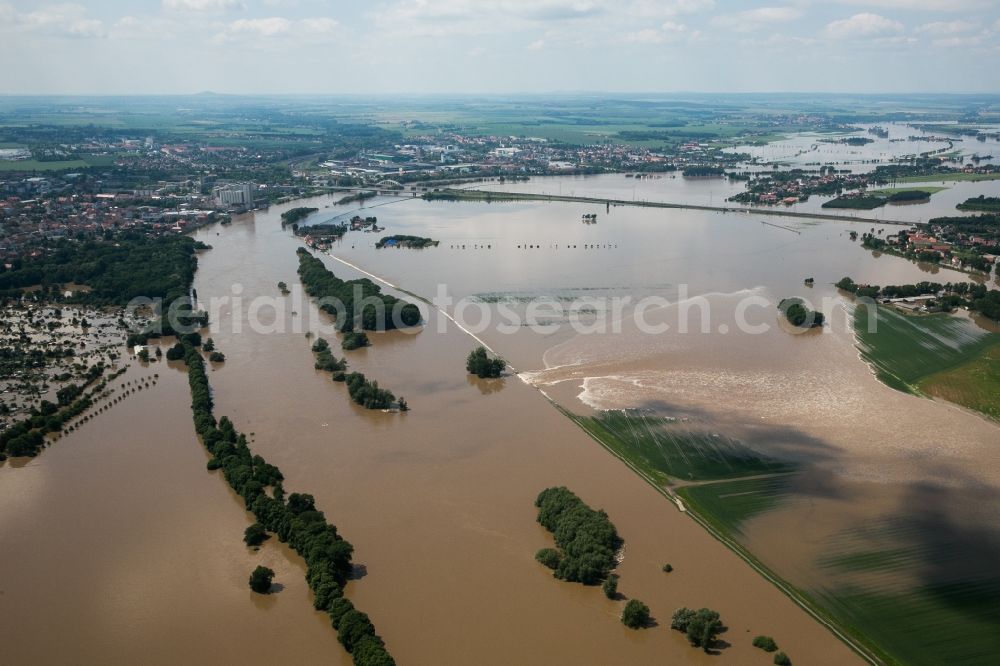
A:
(536, 45)
(923, 5)
(670, 31)
(257, 27)
(865, 24)
(753, 19)
(946, 27)
(202, 6)
(645, 36)
(275, 26)
(318, 26)
(959, 41)
(448, 18)
(67, 20)
(665, 8)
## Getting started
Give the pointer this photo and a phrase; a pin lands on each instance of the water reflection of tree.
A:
(487, 386)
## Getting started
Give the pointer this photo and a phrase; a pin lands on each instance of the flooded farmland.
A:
(438, 502)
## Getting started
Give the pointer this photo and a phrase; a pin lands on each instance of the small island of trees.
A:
(635, 614)
(586, 540)
(480, 364)
(402, 240)
(799, 315)
(260, 580)
(337, 298)
(294, 215)
(700, 626)
(699, 171)
(981, 203)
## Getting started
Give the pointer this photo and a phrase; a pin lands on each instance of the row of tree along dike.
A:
(587, 547)
(362, 390)
(354, 304)
(28, 436)
(947, 296)
(295, 520)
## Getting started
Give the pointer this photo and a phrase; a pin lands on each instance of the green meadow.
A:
(726, 505)
(62, 165)
(951, 177)
(937, 354)
(666, 450)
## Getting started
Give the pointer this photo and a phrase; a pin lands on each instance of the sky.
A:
(498, 46)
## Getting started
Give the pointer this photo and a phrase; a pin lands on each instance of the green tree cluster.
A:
(260, 580)
(635, 614)
(765, 643)
(354, 340)
(27, 437)
(610, 586)
(799, 315)
(293, 215)
(325, 360)
(480, 364)
(700, 626)
(254, 535)
(367, 393)
(117, 270)
(295, 521)
(322, 284)
(586, 539)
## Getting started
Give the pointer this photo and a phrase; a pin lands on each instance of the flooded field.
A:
(869, 455)
(438, 502)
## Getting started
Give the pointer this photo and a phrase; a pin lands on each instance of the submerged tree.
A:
(635, 615)
(260, 580)
(610, 586)
(481, 365)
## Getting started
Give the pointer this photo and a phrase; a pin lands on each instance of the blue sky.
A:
(501, 46)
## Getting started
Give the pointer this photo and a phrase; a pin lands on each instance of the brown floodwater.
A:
(439, 501)
(119, 547)
(119, 542)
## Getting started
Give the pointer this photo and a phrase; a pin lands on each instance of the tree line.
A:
(295, 520)
(362, 390)
(586, 540)
(27, 437)
(955, 294)
(322, 284)
(116, 269)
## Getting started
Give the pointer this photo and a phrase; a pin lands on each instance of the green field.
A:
(975, 384)
(665, 450)
(937, 355)
(930, 189)
(36, 165)
(726, 505)
(947, 178)
(929, 626)
(922, 600)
